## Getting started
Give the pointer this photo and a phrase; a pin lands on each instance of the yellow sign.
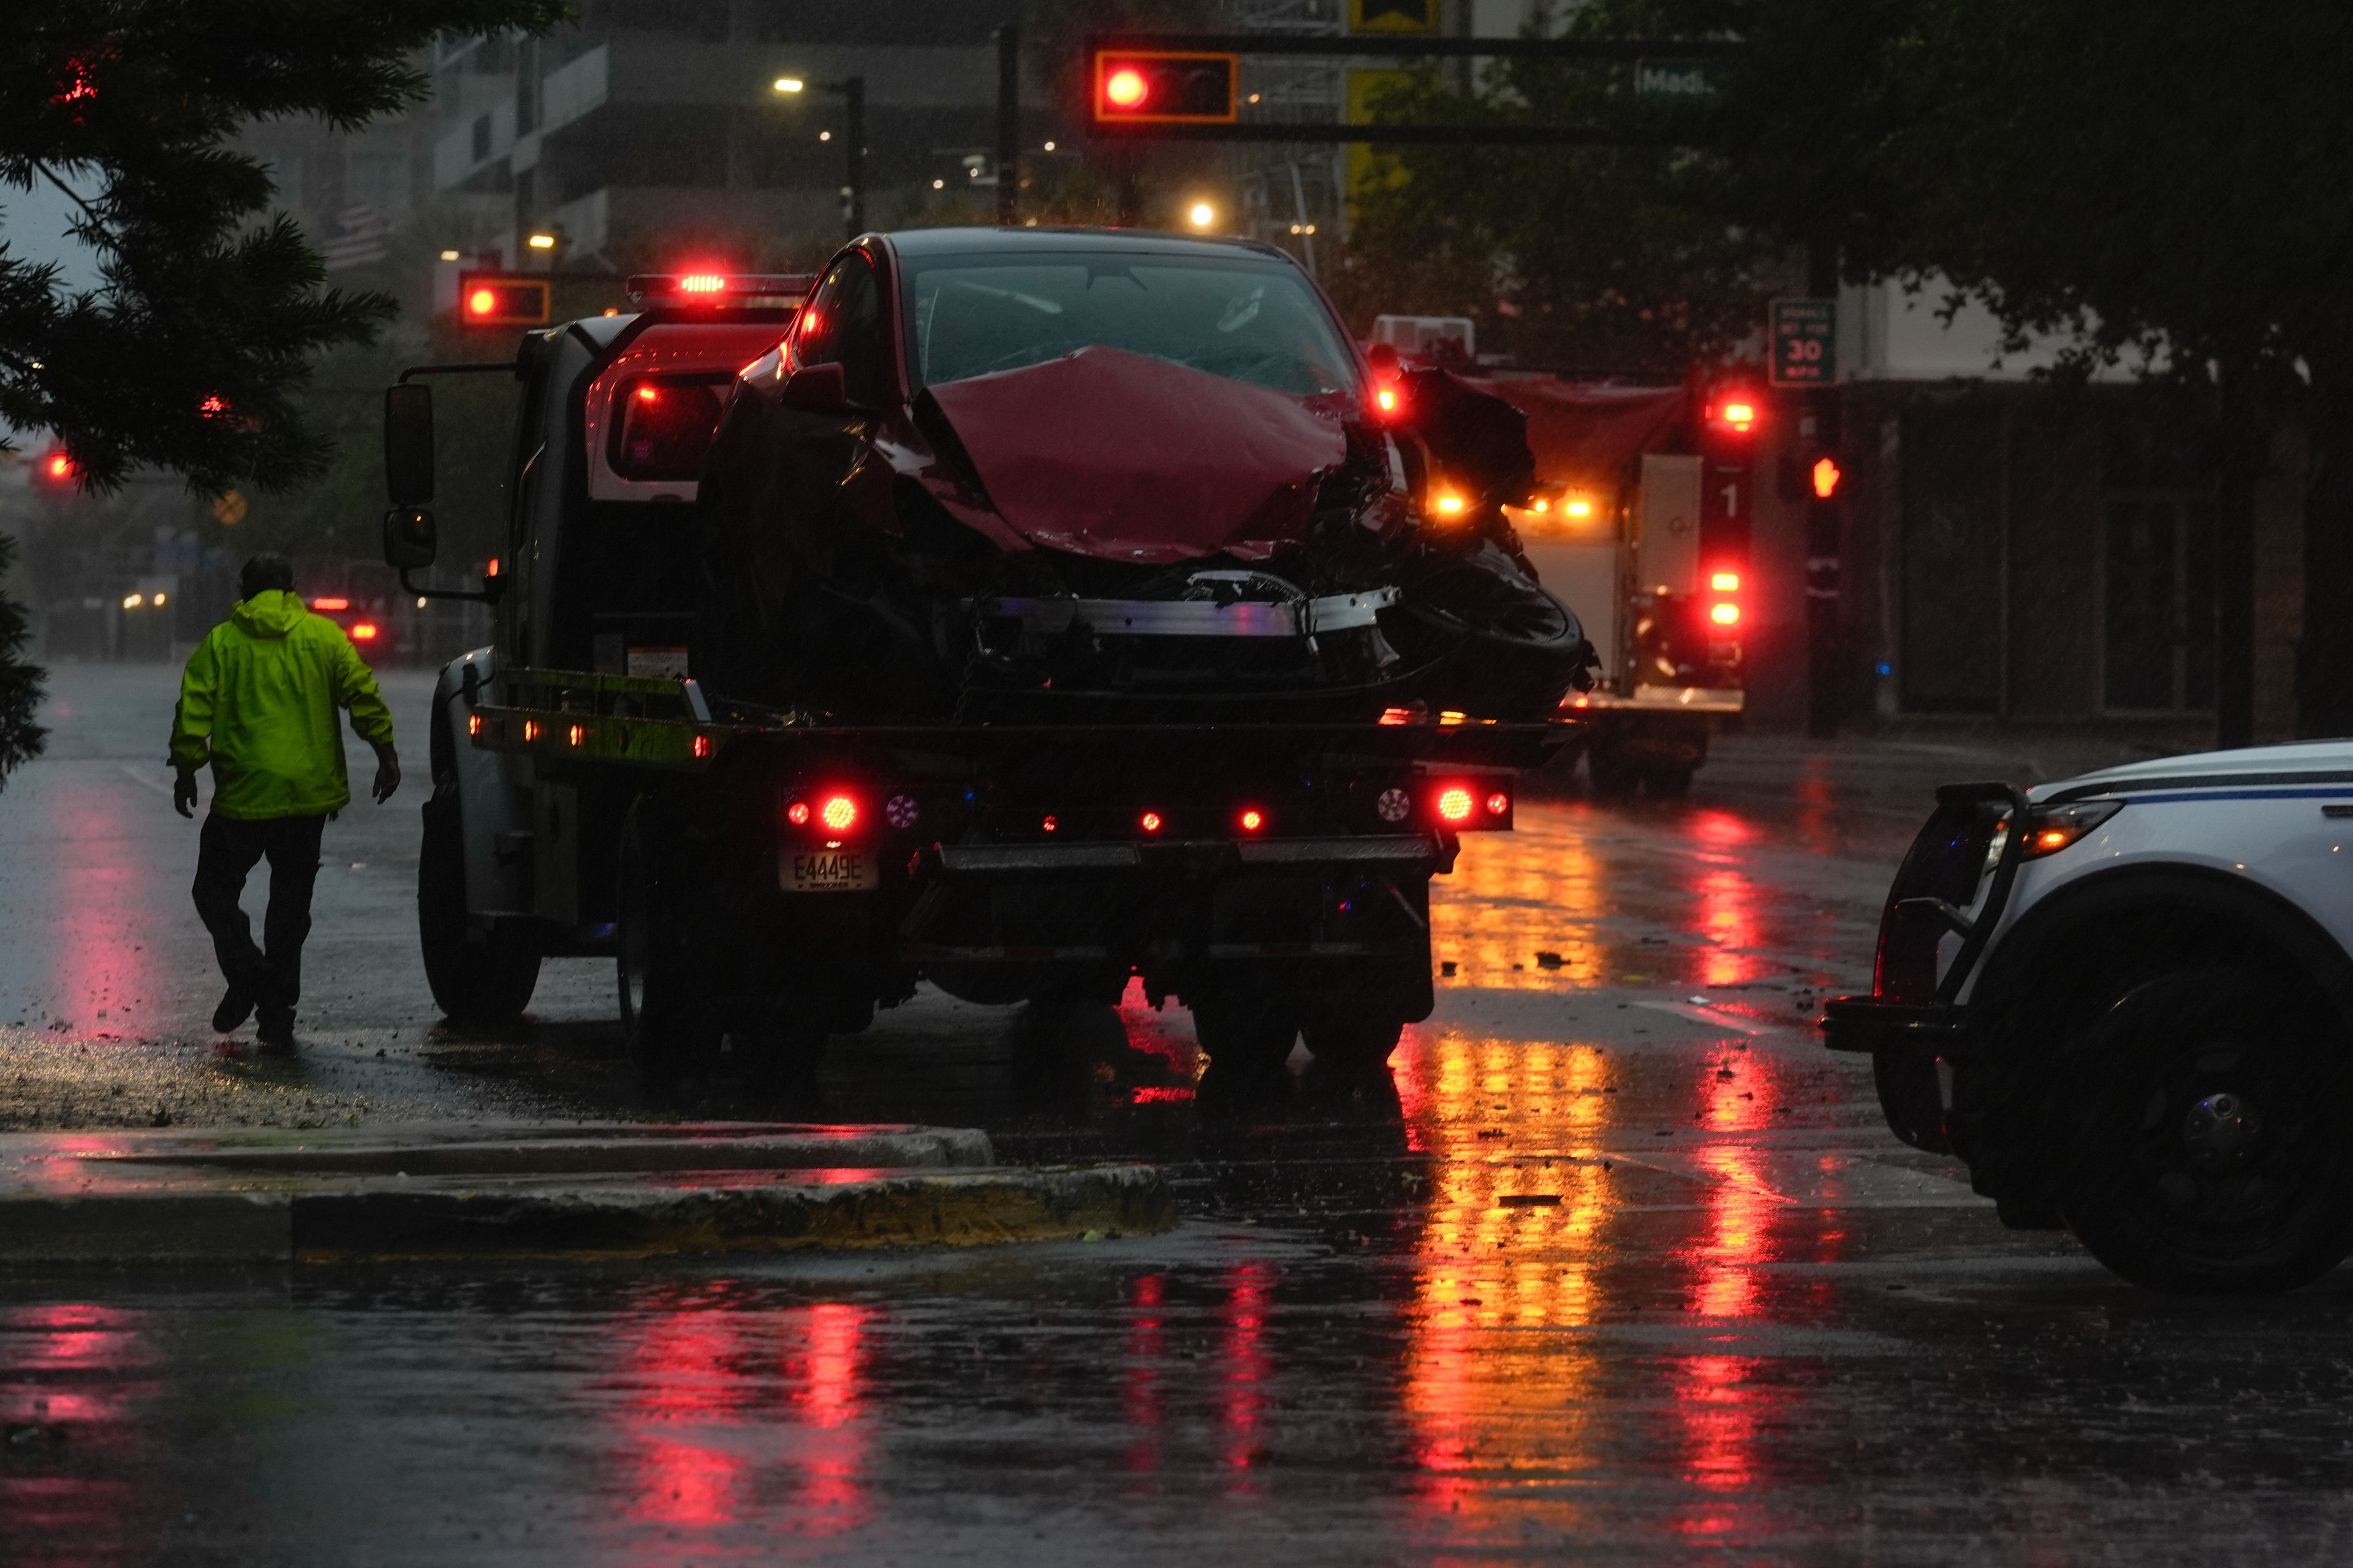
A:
(1393, 15)
(1365, 88)
(228, 509)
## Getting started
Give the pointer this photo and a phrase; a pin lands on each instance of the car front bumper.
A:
(1912, 1051)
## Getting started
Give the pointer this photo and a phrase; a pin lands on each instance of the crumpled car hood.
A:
(1126, 458)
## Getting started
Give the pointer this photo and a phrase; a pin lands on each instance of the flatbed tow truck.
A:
(767, 876)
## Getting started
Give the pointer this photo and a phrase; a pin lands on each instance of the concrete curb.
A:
(541, 1193)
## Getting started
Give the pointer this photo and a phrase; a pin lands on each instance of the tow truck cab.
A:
(772, 876)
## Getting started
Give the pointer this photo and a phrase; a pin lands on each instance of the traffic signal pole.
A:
(853, 116)
(1009, 124)
(1820, 433)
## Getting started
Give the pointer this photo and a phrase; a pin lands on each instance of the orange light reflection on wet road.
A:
(1486, 1266)
(1512, 895)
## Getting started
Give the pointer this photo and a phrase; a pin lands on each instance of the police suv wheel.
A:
(2203, 1122)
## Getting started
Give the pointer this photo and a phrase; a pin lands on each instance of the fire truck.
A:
(1641, 522)
(848, 638)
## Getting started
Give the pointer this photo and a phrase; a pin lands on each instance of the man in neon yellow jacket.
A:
(260, 703)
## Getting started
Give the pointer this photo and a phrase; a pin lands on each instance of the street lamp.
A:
(851, 91)
(1203, 215)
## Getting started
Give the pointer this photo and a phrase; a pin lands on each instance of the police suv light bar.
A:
(718, 287)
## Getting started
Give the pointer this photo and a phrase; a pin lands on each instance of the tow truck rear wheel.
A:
(670, 1030)
(2201, 1128)
(473, 981)
(1247, 1033)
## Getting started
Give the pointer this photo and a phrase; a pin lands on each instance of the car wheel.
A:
(1668, 784)
(1247, 1034)
(1613, 777)
(485, 981)
(665, 1015)
(2204, 1124)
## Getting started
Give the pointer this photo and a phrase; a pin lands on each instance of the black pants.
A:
(271, 974)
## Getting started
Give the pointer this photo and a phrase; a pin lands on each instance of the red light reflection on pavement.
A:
(1243, 1367)
(104, 915)
(1140, 1390)
(680, 1378)
(828, 1371)
(695, 1457)
(84, 1372)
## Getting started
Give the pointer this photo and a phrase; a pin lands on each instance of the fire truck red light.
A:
(1724, 614)
(1498, 804)
(1455, 804)
(797, 814)
(1252, 820)
(1125, 89)
(1726, 582)
(1150, 822)
(839, 813)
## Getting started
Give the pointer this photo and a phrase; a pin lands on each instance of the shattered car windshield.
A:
(1250, 321)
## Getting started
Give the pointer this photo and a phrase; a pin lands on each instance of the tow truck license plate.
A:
(828, 871)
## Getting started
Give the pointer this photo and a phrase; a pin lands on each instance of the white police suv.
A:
(2125, 1001)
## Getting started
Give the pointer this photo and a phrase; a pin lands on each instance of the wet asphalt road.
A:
(1628, 1271)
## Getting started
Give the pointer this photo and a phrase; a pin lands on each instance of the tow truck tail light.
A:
(799, 814)
(1463, 805)
(839, 813)
(1251, 819)
(1150, 822)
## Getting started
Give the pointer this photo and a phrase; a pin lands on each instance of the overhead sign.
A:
(1165, 86)
(1805, 342)
(1674, 78)
(1393, 15)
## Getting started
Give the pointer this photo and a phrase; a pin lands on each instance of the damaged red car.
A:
(1056, 476)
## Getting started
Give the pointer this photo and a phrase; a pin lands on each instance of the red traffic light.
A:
(57, 467)
(489, 300)
(1165, 86)
(1734, 413)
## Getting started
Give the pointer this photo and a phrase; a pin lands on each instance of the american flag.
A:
(364, 237)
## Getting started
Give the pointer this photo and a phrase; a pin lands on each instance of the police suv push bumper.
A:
(1913, 1023)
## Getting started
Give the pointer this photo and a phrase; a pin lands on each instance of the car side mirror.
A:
(410, 539)
(408, 443)
(817, 389)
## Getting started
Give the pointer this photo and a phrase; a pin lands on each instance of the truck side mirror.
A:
(817, 389)
(409, 444)
(410, 537)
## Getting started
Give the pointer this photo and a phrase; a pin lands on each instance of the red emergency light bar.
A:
(718, 287)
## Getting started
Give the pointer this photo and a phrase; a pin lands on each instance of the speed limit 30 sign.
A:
(1805, 342)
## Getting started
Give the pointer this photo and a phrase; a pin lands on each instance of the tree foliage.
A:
(192, 352)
